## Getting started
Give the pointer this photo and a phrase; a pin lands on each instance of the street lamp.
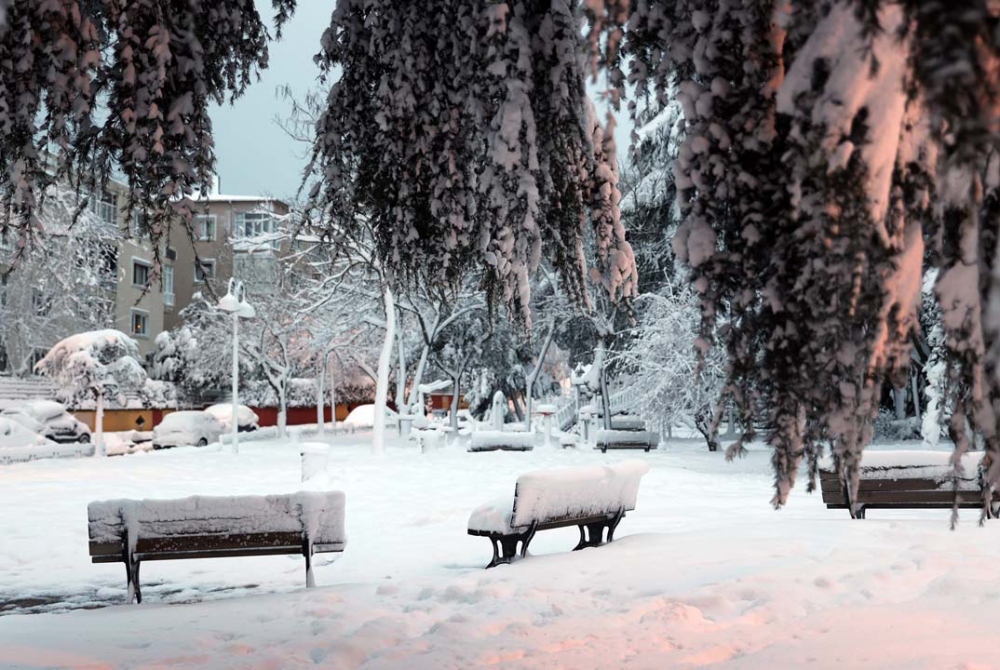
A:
(235, 303)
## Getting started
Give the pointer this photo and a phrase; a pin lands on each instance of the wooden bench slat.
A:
(902, 485)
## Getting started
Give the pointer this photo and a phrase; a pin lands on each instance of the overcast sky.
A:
(255, 157)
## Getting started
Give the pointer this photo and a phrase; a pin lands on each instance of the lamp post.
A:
(235, 303)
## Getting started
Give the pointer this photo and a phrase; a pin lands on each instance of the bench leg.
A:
(592, 534)
(131, 572)
(307, 552)
(505, 546)
(614, 524)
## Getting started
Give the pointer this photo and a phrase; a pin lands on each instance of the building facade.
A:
(231, 231)
(99, 271)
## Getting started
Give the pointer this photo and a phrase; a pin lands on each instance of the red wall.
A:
(299, 415)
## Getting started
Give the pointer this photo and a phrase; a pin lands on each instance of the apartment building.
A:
(231, 232)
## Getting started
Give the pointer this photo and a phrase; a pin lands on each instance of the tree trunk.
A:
(455, 395)
(533, 377)
(605, 399)
(99, 425)
(333, 400)
(319, 397)
(704, 425)
(282, 406)
(915, 389)
(382, 379)
(519, 413)
(899, 398)
(401, 407)
(418, 375)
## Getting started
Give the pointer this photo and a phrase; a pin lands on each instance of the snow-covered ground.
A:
(704, 573)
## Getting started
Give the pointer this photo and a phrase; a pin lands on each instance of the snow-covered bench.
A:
(626, 422)
(592, 497)
(626, 439)
(907, 480)
(132, 531)
(507, 440)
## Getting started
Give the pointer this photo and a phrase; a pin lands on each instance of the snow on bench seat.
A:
(496, 440)
(915, 464)
(906, 479)
(592, 497)
(626, 439)
(132, 531)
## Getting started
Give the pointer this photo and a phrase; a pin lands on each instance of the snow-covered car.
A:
(363, 416)
(188, 428)
(56, 423)
(223, 412)
(19, 444)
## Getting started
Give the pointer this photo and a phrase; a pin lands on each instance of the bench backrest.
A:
(548, 496)
(258, 520)
(900, 475)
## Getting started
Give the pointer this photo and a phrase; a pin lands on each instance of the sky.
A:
(255, 157)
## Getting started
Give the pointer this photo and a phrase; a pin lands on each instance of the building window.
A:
(204, 271)
(105, 206)
(140, 323)
(40, 303)
(252, 224)
(205, 225)
(168, 285)
(140, 274)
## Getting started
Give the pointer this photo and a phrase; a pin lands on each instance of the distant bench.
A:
(132, 531)
(627, 439)
(594, 498)
(495, 440)
(907, 480)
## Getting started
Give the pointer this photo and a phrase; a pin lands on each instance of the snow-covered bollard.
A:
(405, 422)
(314, 459)
(547, 412)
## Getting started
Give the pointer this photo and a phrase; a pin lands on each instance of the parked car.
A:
(19, 444)
(189, 428)
(363, 416)
(50, 418)
(223, 412)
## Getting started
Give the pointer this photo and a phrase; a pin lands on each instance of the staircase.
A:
(620, 400)
(15, 391)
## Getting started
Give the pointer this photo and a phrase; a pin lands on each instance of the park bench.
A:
(594, 498)
(496, 440)
(907, 480)
(132, 531)
(626, 439)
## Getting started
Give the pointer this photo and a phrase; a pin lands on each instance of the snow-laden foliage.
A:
(462, 129)
(824, 143)
(96, 364)
(675, 385)
(91, 87)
